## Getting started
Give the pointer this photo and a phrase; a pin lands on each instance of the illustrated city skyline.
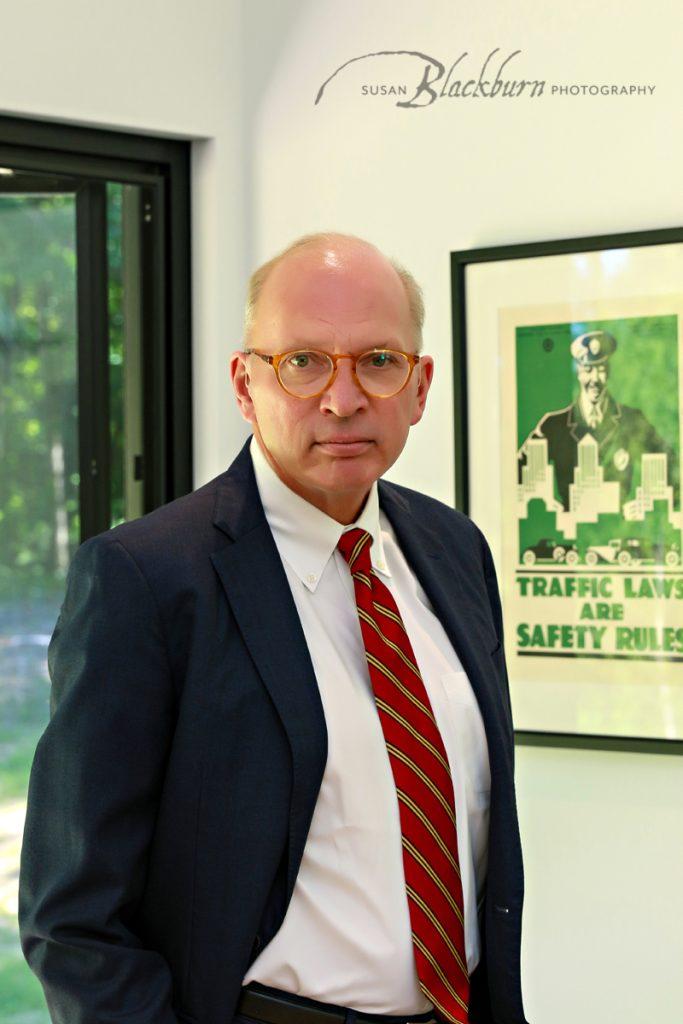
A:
(595, 512)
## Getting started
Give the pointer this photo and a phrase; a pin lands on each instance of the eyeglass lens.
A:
(381, 373)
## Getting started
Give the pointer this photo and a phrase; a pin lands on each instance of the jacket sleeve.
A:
(93, 793)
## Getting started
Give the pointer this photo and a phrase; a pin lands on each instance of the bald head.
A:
(326, 259)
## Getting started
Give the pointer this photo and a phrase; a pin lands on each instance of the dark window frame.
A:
(162, 167)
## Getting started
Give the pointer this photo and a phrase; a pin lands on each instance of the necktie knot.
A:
(355, 548)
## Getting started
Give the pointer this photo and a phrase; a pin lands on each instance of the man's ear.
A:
(239, 375)
(425, 369)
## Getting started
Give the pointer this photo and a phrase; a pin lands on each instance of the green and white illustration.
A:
(599, 445)
(591, 485)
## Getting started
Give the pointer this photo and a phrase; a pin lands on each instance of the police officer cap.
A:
(593, 347)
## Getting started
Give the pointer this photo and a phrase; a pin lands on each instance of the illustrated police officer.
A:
(623, 433)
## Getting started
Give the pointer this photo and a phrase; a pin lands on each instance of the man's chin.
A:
(347, 474)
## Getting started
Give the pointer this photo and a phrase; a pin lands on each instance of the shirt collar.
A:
(306, 537)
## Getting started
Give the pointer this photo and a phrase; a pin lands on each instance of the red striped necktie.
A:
(423, 786)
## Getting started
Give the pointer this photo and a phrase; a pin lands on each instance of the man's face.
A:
(330, 449)
(593, 381)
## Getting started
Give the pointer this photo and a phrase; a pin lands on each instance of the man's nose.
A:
(343, 396)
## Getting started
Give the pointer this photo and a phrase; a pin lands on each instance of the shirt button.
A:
(311, 578)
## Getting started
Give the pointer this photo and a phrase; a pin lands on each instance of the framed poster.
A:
(568, 370)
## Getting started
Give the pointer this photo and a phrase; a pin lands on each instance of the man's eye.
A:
(380, 359)
(300, 361)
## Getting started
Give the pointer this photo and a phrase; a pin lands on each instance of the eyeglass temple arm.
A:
(266, 359)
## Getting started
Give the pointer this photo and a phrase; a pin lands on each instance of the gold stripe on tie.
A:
(376, 663)
(363, 578)
(439, 1005)
(389, 614)
(430, 828)
(390, 643)
(437, 924)
(425, 778)
(358, 547)
(434, 877)
(435, 964)
(413, 732)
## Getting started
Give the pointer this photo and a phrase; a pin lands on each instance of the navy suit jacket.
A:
(172, 790)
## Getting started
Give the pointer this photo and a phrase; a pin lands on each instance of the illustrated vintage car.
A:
(550, 550)
(621, 551)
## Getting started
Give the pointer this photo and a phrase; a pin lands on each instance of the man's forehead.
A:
(360, 270)
(331, 289)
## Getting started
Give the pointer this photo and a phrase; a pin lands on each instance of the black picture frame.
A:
(460, 261)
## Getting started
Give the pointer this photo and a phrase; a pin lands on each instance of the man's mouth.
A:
(344, 446)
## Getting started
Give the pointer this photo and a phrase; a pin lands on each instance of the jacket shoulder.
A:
(168, 544)
(184, 517)
(429, 509)
(553, 420)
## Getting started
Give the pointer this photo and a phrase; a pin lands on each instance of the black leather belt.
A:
(285, 1008)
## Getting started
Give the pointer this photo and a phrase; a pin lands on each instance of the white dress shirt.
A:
(346, 936)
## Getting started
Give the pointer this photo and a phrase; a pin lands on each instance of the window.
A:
(94, 406)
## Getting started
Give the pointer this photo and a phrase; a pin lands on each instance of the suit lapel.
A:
(257, 589)
(574, 420)
(457, 601)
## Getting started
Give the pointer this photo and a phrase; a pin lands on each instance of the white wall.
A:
(602, 832)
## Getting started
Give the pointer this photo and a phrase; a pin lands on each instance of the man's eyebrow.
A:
(384, 343)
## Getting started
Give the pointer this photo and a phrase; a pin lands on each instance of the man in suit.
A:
(277, 782)
(623, 434)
